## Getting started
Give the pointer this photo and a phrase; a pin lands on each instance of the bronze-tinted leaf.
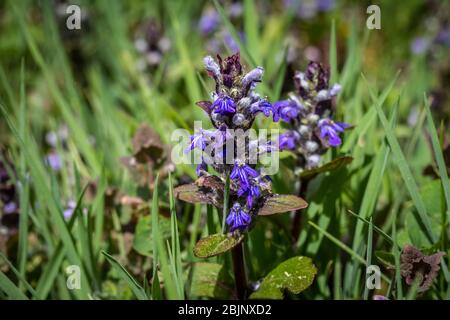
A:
(191, 193)
(280, 203)
(147, 145)
(205, 105)
(216, 244)
(207, 189)
(330, 166)
(212, 182)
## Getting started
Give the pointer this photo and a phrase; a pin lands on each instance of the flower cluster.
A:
(309, 113)
(233, 109)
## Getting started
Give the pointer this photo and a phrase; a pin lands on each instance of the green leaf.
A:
(295, 274)
(209, 281)
(216, 244)
(330, 166)
(280, 203)
(138, 291)
(143, 240)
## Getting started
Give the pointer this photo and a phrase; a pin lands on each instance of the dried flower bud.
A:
(211, 66)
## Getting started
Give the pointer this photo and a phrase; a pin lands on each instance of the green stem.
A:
(226, 199)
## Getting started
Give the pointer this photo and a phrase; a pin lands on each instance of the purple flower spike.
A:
(242, 172)
(224, 105)
(330, 130)
(238, 218)
(286, 110)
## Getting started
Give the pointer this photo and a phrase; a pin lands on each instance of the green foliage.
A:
(216, 244)
(294, 275)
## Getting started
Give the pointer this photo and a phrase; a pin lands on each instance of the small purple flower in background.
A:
(68, 212)
(329, 131)
(54, 161)
(379, 297)
(288, 140)
(286, 110)
(420, 45)
(209, 21)
(443, 37)
(238, 218)
(308, 9)
(309, 114)
(10, 207)
(231, 43)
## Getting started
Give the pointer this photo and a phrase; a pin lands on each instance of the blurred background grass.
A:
(72, 101)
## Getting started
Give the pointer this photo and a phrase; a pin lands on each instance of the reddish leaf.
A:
(280, 203)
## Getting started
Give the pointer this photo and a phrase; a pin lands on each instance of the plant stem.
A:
(297, 221)
(240, 277)
(226, 199)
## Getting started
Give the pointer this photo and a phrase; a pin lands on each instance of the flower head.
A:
(224, 105)
(417, 266)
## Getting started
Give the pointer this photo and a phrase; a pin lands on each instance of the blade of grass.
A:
(12, 291)
(19, 276)
(405, 171)
(333, 53)
(138, 291)
(369, 255)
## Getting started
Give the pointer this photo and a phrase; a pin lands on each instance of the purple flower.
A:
(286, 110)
(238, 218)
(379, 297)
(197, 141)
(209, 22)
(221, 136)
(326, 5)
(443, 37)
(10, 207)
(71, 205)
(253, 193)
(288, 140)
(254, 75)
(54, 161)
(261, 106)
(224, 105)
(231, 43)
(419, 45)
(242, 172)
(201, 169)
(330, 130)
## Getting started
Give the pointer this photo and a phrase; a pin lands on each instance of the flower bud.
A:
(238, 119)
